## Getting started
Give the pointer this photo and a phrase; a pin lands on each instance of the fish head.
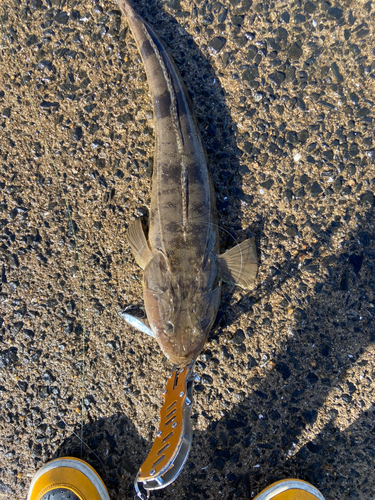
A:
(181, 311)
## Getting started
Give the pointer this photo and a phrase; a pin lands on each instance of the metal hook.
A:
(138, 492)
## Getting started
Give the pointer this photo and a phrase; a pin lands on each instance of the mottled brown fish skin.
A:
(181, 280)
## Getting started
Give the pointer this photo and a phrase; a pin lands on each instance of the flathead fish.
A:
(183, 271)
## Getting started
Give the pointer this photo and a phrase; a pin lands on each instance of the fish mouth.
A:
(181, 359)
(181, 363)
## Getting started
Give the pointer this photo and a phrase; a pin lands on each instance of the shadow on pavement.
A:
(291, 401)
(290, 422)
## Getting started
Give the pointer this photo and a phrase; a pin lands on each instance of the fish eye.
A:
(168, 328)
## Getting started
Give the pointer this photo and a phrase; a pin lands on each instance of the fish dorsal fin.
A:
(138, 243)
(239, 265)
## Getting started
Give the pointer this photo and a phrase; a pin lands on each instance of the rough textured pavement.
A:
(284, 97)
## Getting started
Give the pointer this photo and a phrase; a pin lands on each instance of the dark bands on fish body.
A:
(146, 50)
(162, 105)
(181, 284)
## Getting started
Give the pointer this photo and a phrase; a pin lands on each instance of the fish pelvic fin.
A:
(138, 243)
(239, 265)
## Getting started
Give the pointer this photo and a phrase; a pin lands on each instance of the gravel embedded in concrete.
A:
(284, 98)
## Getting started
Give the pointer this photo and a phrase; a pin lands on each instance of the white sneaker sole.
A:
(288, 484)
(77, 465)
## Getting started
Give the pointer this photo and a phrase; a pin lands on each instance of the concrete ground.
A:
(284, 97)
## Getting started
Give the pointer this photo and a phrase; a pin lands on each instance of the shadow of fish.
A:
(183, 270)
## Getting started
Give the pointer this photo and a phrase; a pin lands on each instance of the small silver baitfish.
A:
(183, 270)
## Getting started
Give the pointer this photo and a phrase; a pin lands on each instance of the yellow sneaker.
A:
(67, 478)
(290, 489)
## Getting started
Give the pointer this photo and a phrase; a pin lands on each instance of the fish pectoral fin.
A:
(138, 243)
(136, 323)
(239, 265)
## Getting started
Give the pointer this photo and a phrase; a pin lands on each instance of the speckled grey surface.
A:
(283, 93)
